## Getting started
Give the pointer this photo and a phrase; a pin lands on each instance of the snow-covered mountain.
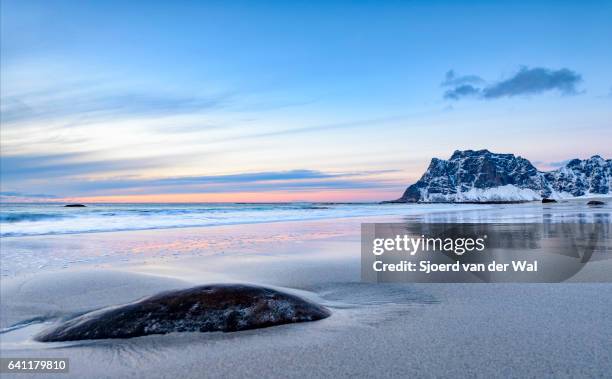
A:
(591, 176)
(483, 176)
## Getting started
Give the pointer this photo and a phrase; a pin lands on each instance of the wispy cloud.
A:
(527, 81)
(558, 164)
(325, 127)
(295, 180)
(14, 194)
(91, 102)
(302, 179)
(451, 79)
(52, 166)
(464, 90)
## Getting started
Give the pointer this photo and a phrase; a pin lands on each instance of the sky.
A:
(160, 101)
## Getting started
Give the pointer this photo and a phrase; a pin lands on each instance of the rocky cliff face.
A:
(483, 176)
(582, 177)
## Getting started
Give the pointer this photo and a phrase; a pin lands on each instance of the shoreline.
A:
(199, 226)
(205, 218)
(104, 221)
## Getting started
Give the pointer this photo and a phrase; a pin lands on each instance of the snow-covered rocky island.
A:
(480, 176)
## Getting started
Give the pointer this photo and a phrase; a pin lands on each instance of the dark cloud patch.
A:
(533, 81)
(461, 91)
(527, 81)
(451, 79)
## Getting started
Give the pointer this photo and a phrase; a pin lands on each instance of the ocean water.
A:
(45, 219)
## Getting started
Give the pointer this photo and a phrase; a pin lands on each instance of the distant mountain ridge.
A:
(483, 176)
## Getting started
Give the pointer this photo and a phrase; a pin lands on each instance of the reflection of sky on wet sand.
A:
(568, 211)
(38, 253)
(321, 239)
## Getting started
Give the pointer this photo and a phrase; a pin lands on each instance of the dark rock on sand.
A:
(74, 205)
(595, 202)
(209, 308)
(545, 200)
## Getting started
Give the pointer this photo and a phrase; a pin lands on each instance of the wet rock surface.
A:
(209, 308)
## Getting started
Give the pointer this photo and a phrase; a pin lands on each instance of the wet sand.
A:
(382, 330)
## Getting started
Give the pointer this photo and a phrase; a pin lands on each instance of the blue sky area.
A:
(234, 101)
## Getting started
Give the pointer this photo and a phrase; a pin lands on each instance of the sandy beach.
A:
(382, 330)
